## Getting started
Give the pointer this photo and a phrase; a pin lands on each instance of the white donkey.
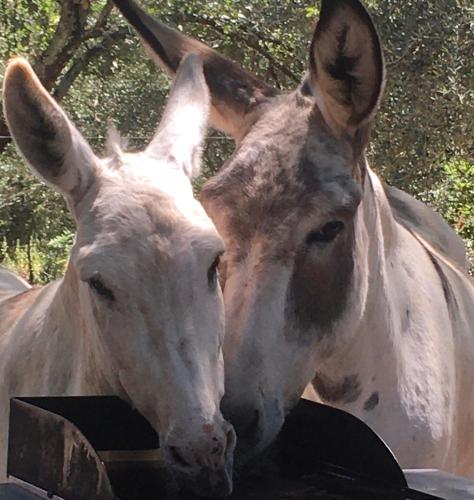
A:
(139, 312)
(329, 277)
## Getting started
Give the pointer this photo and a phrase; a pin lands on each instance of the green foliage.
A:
(453, 197)
(18, 258)
(426, 117)
(37, 261)
(27, 26)
(55, 255)
(27, 206)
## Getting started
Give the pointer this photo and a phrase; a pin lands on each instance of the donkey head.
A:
(285, 204)
(143, 269)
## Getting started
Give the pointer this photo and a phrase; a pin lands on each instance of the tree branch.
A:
(101, 23)
(253, 44)
(84, 60)
(69, 35)
(66, 40)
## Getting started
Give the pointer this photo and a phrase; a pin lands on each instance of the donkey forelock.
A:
(288, 167)
(115, 144)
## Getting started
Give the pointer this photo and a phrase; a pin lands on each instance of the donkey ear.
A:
(346, 65)
(184, 123)
(236, 94)
(44, 135)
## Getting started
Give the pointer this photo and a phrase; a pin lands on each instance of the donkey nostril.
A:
(178, 457)
(230, 438)
(252, 427)
(255, 420)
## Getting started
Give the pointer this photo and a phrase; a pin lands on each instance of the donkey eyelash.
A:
(100, 289)
(212, 271)
(326, 234)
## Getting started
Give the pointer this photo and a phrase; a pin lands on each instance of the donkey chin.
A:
(256, 431)
(204, 467)
(208, 482)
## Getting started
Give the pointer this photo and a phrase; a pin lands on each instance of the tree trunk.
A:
(69, 35)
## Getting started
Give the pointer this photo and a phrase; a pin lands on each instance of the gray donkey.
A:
(331, 279)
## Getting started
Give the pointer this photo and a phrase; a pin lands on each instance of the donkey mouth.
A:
(208, 483)
(256, 433)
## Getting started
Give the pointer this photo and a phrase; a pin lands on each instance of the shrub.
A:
(38, 261)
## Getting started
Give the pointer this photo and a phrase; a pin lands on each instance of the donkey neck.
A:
(72, 311)
(53, 340)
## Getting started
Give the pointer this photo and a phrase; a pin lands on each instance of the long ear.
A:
(44, 135)
(346, 65)
(236, 93)
(183, 126)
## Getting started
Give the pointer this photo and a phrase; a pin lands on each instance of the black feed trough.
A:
(98, 448)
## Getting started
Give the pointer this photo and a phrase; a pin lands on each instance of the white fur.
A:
(415, 366)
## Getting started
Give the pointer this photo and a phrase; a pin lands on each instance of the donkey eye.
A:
(326, 234)
(100, 289)
(212, 271)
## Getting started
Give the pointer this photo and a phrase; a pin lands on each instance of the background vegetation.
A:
(91, 61)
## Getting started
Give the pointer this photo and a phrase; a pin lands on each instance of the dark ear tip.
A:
(19, 70)
(333, 4)
(129, 9)
(119, 3)
(330, 6)
(19, 75)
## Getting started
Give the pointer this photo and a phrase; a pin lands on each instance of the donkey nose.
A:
(211, 450)
(245, 414)
(249, 426)
(180, 458)
(205, 465)
(256, 426)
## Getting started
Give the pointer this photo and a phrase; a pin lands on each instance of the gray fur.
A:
(345, 391)
(430, 225)
(236, 92)
(318, 294)
(289, 168)
(372, 402)
(11, 283)
(44, 139)
(293, 301)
